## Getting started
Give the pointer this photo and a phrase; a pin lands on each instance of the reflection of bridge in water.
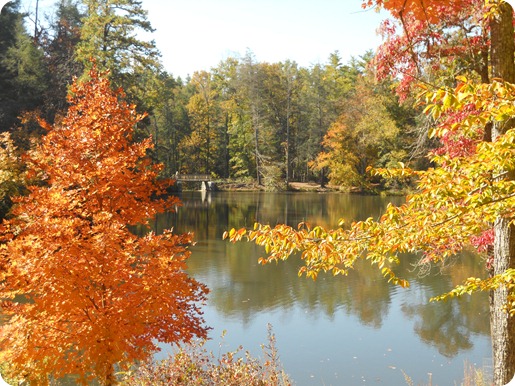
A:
(206, 184)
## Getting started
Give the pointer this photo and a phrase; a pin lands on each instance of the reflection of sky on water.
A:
(318, 350)
(337, 331)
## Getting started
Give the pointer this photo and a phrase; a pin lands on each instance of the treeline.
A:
(269, 122)
(278, 122)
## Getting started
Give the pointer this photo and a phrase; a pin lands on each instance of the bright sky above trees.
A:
(197, 34)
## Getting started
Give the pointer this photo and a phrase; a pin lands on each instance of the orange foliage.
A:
(419, 9)
(82, 293)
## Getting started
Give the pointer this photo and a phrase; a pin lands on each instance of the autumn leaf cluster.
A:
(420, 9)
(81, 292)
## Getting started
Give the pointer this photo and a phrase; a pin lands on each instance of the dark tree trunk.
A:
(501, 324)
(503, 44)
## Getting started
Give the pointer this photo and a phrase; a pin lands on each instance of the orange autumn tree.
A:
(82, 295)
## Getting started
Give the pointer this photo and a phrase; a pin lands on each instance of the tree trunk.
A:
(255, 123)
(501, 324)
(288, 139)
(503, 44)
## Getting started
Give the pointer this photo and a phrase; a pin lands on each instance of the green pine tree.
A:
(108, 36)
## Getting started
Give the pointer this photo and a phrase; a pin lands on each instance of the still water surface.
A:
(355, 330)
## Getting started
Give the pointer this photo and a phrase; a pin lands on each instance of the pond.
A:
(354, 330)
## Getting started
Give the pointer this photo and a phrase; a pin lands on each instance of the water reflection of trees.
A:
(449, 325)
(240, 288)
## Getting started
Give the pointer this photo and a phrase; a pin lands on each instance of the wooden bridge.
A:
(206, 183)
(192, 177)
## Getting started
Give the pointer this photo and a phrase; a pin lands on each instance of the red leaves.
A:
(444, 37)
(483, 241)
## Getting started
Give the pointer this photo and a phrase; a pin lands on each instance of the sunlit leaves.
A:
(109, 33)
(471, 285)
(11, 176)
(422, 10)
(365, 134)
(97, 295)
(432, 41)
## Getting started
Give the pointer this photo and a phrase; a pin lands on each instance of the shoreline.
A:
(294, 187)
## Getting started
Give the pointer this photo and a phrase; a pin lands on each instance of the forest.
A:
(270, 123)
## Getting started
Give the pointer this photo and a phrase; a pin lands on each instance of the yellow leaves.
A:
(434, 102)
(448, 100)
(403, 283)
(474, 284)
(402, 172)
(493, 102)
(235, 234)
(392, 278)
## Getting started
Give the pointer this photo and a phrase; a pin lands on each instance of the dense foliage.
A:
(80, 292)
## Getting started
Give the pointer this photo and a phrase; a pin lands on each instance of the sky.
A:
(195, 35)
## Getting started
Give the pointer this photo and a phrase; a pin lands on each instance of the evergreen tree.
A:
(23, 77)
(60, 43)
(108, 35)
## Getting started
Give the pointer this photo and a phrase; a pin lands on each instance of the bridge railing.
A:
(192, 177)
